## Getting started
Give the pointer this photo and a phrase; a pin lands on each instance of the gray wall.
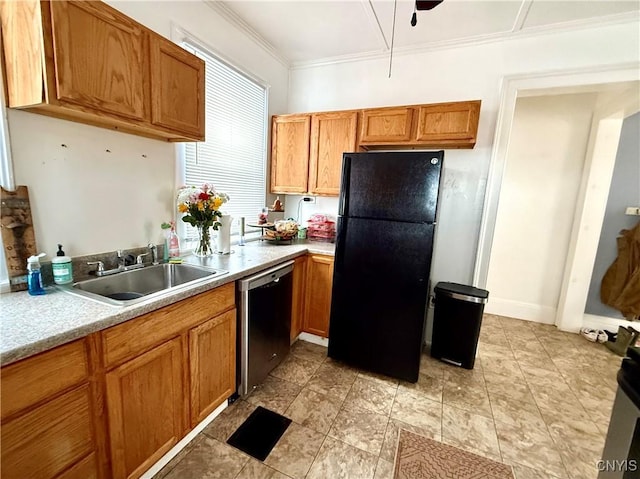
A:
(625, 191)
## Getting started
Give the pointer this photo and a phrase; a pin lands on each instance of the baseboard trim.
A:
(594, 321)
(315, 339)
(173, 452)
(521, 310)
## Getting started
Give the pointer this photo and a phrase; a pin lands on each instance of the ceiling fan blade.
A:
(427, 4)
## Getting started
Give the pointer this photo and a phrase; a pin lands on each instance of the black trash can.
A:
(457, 318)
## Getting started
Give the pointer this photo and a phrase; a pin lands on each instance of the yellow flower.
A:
(183, 208)
(200, 206)
(217, 202)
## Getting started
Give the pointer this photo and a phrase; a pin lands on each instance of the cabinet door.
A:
(318, 295)
(146, 405)
(290, 153)
(47, 440)
(332, 134)
(177, 88)
(386, 125)
(212, 360)
(99, 58)
(448, 121)
(297, 304)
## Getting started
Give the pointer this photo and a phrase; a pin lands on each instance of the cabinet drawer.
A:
(31, 380)
(133, 337)
(44, 442)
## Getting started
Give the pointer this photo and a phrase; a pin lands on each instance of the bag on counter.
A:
(321, 227)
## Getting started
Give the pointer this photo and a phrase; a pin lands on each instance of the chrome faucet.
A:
(153, 249)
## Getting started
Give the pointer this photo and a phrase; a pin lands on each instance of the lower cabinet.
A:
(297, 305)
(157, 391)
(146, 408)
(317, 303)
(212, 343)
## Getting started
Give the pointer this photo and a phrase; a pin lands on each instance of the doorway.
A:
(615, 97)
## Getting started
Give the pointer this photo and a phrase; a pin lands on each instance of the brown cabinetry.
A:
(146, 408)
(441, 125)
(166, 371)
(299, 286)
(87, 62)
(47, 416)
(306, 153)
(317, 305)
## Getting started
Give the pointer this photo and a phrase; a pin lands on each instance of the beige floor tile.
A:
(229, 420)
(310, 351)
(338, 460)
(511, 387)
(472, 397)
(371, 395)
(380, 378)
(418, 411)
(274, 394)
(531, 446)
(178, 457)
(296, 369)
(384, 470)
(333, 379)
(210, 459)
(360, 428)
(559, 397)
(431, 366)
(314, 410)
(489, 350)
(388, 452)
(515, 412)
(427, 385)
(257, 470)
(522, 472)
(501, 366)
(295, 451)
(471, 432)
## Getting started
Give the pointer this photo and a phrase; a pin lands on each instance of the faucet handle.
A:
(99, 263)
(139, 259)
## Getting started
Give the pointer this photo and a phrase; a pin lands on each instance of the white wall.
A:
(464, 73)
(537, 203)
(93, 201)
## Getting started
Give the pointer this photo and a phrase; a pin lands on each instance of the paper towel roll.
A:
(223, 239)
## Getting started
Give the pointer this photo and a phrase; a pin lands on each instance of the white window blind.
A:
(233, 157)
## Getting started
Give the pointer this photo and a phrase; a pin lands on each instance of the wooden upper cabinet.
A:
(85, 61)
(448, 122)
(290, 153)
(440, 125)
(332, 134)
(177, 88)
(98, 55)
(386, 125)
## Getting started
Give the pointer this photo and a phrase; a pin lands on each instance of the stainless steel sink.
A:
(132, 287)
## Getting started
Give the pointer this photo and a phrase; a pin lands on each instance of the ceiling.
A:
(311, 31)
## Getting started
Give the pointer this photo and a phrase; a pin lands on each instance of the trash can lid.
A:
(462, 292)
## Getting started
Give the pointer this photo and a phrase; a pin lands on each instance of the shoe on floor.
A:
(589, 334)
(626, 337)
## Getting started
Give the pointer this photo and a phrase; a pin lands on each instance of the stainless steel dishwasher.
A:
(265, 324)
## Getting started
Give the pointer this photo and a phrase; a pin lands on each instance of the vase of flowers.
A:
(201, 205)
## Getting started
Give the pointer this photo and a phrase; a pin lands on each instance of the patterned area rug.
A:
(418, 457)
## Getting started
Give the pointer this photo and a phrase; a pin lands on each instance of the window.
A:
(233, 157)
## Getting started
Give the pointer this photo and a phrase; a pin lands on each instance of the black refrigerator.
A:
(384, 241)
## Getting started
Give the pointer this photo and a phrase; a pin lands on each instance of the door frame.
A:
(587, 223)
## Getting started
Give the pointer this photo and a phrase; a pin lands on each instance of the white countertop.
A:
(32, 324)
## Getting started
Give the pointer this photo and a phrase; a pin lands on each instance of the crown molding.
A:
(235, 20)
(621, 18)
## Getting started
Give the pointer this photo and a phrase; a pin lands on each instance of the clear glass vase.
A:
(203, 246)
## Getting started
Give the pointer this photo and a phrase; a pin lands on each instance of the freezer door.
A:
(399, 186)
(380, 293)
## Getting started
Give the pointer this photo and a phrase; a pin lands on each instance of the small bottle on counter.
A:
(62, 267)
(174, 243)
(34, 276)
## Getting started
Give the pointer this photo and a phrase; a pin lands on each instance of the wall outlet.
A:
(309, 199)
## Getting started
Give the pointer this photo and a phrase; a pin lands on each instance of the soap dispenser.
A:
(34, 276)
(62, 268)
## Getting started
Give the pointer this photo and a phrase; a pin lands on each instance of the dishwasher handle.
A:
(271, 275)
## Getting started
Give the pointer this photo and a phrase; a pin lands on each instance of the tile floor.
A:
(538, 399)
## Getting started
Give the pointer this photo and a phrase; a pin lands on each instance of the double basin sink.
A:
(131, 287)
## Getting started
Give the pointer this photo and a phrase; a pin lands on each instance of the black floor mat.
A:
(259, 433)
